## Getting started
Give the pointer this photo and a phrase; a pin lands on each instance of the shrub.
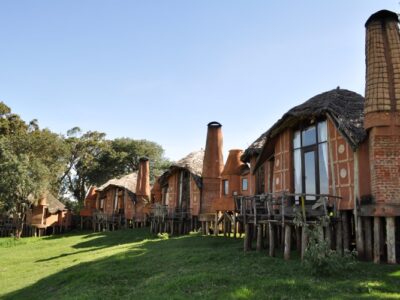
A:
(320, 260)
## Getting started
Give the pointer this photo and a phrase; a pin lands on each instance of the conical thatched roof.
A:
(254, 148)
(193, 162)
(345, 108)
(127, 182)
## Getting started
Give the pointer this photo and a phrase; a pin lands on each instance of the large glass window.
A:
(310, 155)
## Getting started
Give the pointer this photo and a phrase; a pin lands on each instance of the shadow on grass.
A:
(198, 267)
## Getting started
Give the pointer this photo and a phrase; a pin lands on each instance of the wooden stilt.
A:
(81, 223)
(216, 229)
(171, 224)
(328, 235)
(207, 228)
(391, 240)
(288, 241)
(203, 228)
(246, 237)
(377, 240)
(360, 238)
(304, 241)
(339, 236)
(234, 225)
(346, 234)
(368, 238)
(298, 239)
(271, 239)
(259, 238)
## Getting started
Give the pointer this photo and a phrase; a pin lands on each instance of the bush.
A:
(320, 260)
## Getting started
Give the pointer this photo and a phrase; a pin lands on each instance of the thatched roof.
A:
(345, 108)
(254, 148)
(193, 162)
(127, 182)
(47, 199)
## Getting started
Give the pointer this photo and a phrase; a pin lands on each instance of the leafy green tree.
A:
(31, 160)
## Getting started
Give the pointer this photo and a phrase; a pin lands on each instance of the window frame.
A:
(247, 184)
(310, 148)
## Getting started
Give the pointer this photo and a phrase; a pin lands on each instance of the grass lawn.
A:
(132, 264)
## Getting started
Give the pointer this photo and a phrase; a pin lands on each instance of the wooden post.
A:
(346, 235)
(247, 237)
(368, 238)
(288, 241)
(234, 225)
(298, 238)
(203, 228)
(328, 235)
(216, 229)
(271, 239)
(81, 223)
(171, 224)
(207, 228)
(259, 238)
(360, 238)
(377, 240)
(339, 236)
(391, 240)
(304, 240)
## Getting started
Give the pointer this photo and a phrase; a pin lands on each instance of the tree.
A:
(31, 160)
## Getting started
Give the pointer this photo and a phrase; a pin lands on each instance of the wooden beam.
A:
(391, 240)
(247, 237)
(346, 234)
(360, 238)
(377, 240)
(368, 238)
(259, 237)
(288, 241)
(304, 241)
(339, 236)
(271, 239)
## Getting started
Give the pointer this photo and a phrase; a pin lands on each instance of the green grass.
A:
(132, 264)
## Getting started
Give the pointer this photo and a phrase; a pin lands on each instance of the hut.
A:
(120, 202)
(47, 215)
(89, 207)
(178, 194)
(333, 163)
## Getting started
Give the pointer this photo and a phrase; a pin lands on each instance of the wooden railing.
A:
(283, 205)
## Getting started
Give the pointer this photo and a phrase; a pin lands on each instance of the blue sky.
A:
(161, 70)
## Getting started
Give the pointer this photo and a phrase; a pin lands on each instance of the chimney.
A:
(143, 179)
(233, 164)
(382, 90)
(213, 164)
(382, 105)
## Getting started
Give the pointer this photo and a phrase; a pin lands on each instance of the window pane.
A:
(296, 139)
(244, 184)
(309, 172)
(323, 168)
(226, 187)
(322, 132)
(297, 171)
(309, 136)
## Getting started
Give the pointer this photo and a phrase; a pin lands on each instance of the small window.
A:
(244, 184)
(225, 184)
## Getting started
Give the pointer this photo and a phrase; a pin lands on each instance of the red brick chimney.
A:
(212, 167)
(143, 179)
(382, 105)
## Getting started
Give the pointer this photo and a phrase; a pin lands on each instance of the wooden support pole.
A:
(235, 225)
(247, 237)
(288, 241)
(259, 238)
(368, 238)
(346, 234)
(216, 227)
(377, 240)
(328, 235)
(391, 240)
(360, 238)
(339, 236)
(304, 241)
(298, 238)
(171, 227)
(207, 228)
(271, 240)
(203, 228)
(81, 223)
